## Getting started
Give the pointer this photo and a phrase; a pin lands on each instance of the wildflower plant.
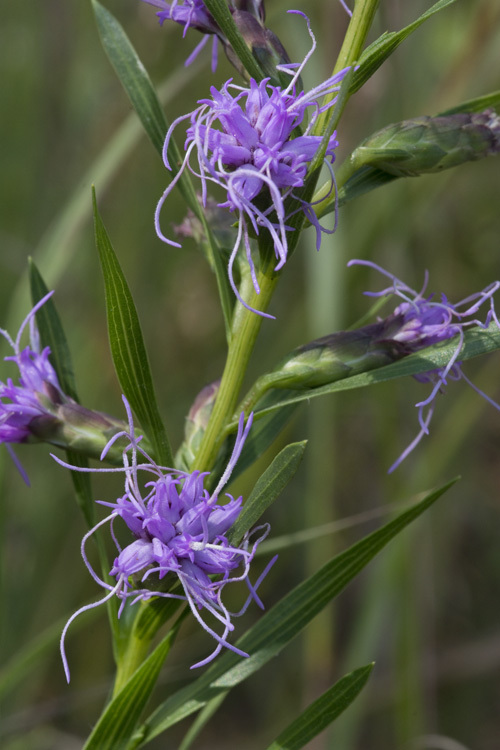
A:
(181, 547)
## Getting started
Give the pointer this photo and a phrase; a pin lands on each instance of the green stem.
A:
(352, 46)
(246, 326)
(135, 654)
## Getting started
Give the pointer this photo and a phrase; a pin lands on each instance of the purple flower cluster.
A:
(424, 321)
(189, 14)
(244, 142)
(179, 530)
(36, 389)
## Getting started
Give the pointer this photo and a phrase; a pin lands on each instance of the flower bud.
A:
(262, 42)
(73, 427)
(196, 424)
(430, 144)
(338, 356)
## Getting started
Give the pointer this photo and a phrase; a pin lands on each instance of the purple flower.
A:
(36, 387)
(423, 321)
(243, 140)
(179, 529)
(190, 14)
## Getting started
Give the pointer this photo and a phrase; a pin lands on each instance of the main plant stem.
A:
(246, 327)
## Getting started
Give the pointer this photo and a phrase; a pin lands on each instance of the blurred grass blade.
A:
(280, 625)
(117, 723)
(476, 342)
(377, 52)
(272, 482)
(31, 657)
(201, 720)
(137, 84)
(323, 711)
(127, 345)
(220, 11)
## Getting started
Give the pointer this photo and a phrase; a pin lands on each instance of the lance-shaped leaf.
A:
(135, 80)
(127, 345)
(323, 711)
(132, 75)
(52, 335)
(278, 626)
(117, 723)
(267, 488)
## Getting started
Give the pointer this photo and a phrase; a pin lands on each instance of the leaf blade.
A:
(117, 723)
(267, 488)
(127, 345)
(322, 711)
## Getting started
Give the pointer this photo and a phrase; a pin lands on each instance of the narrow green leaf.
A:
(139, 88)
(220, 11)
(272, 482)
(476, 105)
(132, 75)
(476, 342)
(117, 724)
(323, 711)
(377, 52)
(127, 345)
(280, 625)
(52, 333)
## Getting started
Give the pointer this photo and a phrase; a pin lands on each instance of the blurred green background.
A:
(427, 612)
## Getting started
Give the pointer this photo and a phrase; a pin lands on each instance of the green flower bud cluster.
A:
(430, 144)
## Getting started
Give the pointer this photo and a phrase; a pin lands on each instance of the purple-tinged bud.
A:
(262, 43)
(430, 144)
(196, 424)
(254, 7)
(179, 538)
(338, 356)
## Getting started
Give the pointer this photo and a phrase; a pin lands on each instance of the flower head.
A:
(248, 16)
(244, 141)
(419, 321)
(179, 531)
(23, 405)
(190, 14)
